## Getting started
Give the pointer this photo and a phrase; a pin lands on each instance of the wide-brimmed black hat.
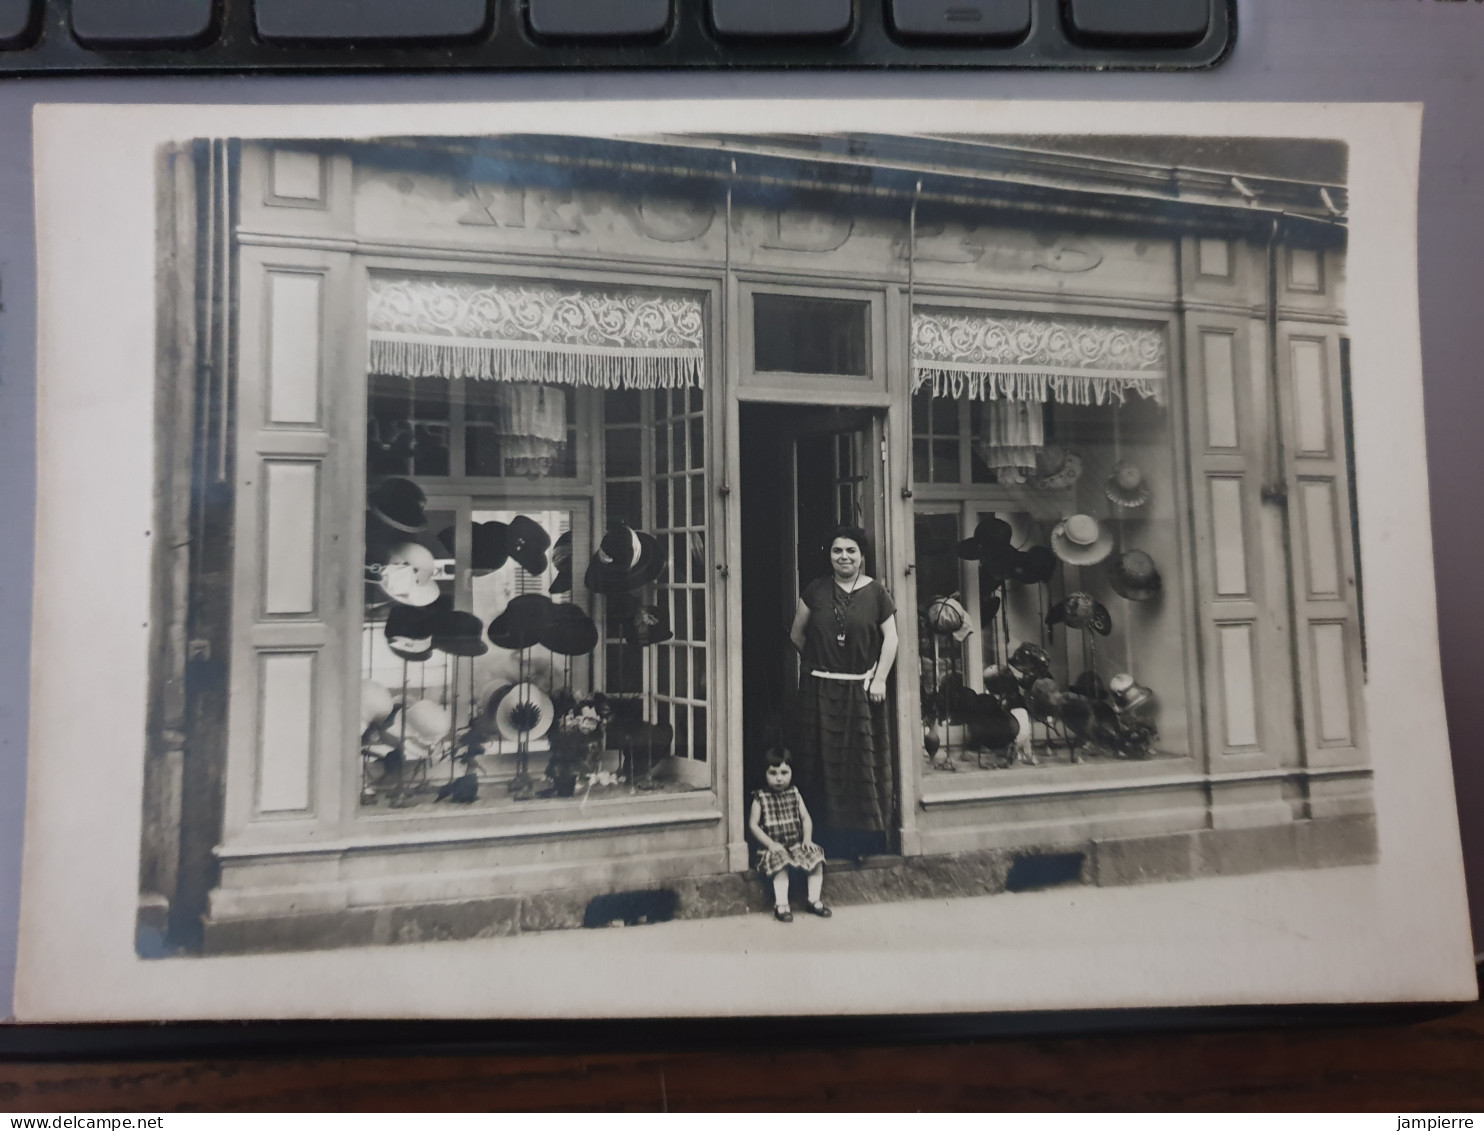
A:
(409, 629)
(401, 505)
(569, 631)
(1032, 566)
(1134, 576)
(520, 625)
(527, 543)
(990, 724)
(649, 625)
(561, 557)
(460, 634)
(991, 541)
(625, 560)
(488, 546)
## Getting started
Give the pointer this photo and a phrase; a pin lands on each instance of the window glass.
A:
(794, 334)
(536, 590)
(1048, 587)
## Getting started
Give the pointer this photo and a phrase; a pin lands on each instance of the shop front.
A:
(501, 466)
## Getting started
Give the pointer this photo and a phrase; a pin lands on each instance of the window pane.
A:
(794, 334)
(622, 452)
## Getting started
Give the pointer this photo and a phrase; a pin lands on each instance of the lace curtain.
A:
(1036, 357)
(533, 332)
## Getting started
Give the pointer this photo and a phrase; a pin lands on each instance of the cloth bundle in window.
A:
(1010, 435)
(531, 424)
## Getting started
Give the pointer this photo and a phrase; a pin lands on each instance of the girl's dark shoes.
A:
(784, 915)
(819, 909)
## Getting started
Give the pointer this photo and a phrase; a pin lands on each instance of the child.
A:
(781, 823)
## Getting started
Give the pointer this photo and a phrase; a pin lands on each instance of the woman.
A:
(845, 629)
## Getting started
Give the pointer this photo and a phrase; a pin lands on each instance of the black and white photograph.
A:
(777, 537)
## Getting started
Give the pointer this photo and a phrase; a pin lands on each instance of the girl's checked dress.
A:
(782, 819)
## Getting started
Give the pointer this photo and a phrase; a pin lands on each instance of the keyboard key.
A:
(961, 19)
(141, 23)
(578, 19)
(370, 20)
(1140, 21)
(781, 17)
(17, 22)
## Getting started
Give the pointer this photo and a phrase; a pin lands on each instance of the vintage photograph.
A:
(562, 532)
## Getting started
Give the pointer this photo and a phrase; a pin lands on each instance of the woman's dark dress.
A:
(844, 742)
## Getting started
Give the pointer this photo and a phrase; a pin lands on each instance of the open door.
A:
(805, 471)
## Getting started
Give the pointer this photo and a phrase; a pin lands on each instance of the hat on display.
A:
(1090, 684)
(1033, 566)
(991, 725)
(1056, 467)
(488, 549)
(526, 542)
(1081, 540)
(561, 557)
(1128, 693)
(1080, 610)
(625, 560)
(520, 625)
(947, 617)
(409, 629)
(428, 721)
(522, 710)
(569, 631)
(459, 634)
(407, 574)
(991, 537)
(1126, 486)
(1134, 576)
(401, 505)
(376, 702)
(1031, 661)
(649, 625)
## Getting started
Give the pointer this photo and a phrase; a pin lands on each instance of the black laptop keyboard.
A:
(61, 36)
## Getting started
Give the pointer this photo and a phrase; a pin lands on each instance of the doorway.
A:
(804, 471)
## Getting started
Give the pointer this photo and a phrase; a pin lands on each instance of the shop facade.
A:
(496, 467)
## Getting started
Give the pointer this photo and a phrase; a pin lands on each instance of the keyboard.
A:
(192, 36)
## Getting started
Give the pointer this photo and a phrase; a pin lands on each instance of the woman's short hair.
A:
(778, 756)
(854, 533)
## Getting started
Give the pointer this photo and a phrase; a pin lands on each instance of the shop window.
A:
(537, 596)
(1045, 544)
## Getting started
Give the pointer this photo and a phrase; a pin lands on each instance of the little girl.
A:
(781, 823)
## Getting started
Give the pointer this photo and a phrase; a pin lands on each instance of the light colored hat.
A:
(376, 702)
(1126, 486)
(407, 575)
(1081, 540)
(523, 709)
(428, 721)
(946, 616)
(1128, 693)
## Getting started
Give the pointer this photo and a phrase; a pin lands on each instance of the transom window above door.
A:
(801, 342)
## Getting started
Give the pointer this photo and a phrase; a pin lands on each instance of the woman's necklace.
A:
(841, 605)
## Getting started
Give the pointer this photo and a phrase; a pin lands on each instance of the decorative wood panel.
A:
(1305, 270)
(1317, 508)
(290, 523)
(297, 175)
(1331, 672)
(1214, 258)
(286, 714)
(1239, 686)
(1310, 396)
(1218, 364)
(1227, 536)
(295, 329)
(1332, 682)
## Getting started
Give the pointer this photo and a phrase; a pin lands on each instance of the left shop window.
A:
(521, 579)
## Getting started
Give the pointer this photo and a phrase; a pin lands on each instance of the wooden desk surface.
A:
(1434, 1065)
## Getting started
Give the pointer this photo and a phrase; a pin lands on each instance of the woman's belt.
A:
(859, 677)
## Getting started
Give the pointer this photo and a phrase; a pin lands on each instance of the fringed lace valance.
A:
(485, 331)
(1036, 358)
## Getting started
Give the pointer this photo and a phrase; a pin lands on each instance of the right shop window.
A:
(1046, 542)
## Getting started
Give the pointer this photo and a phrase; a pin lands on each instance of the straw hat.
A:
(947, 617)
(1056, 467)
(1134, 576)
(1081, 540)
(1126, 486)
(1128, 693)
(522, 709)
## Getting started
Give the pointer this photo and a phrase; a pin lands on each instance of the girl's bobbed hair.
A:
(778, 756)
